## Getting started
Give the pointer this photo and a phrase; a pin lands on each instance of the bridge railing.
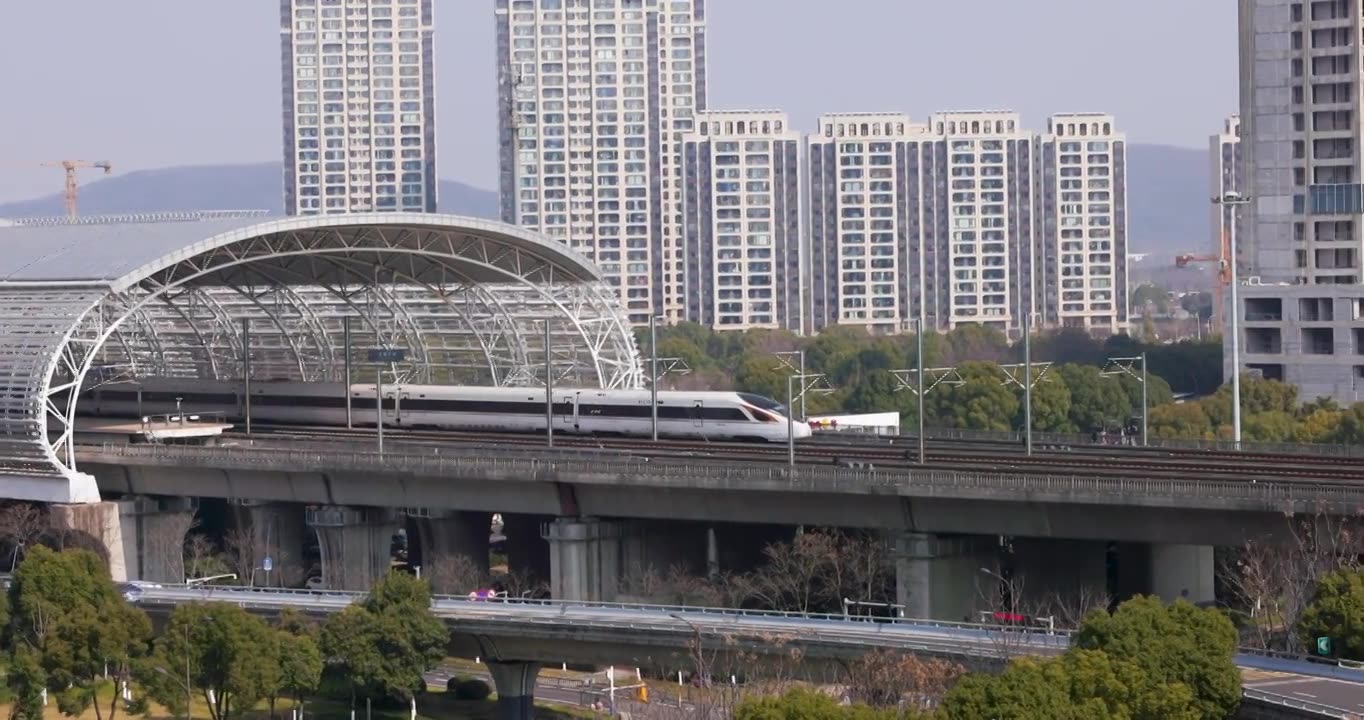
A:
(1315, 708)
(723, 475)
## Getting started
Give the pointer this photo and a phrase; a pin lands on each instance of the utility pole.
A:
(549, 391)
(1235, 200)
(1027, 383)
(919, 390)
(246, 372)
(653, 375)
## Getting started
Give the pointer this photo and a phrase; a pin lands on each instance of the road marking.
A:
(1307, 695)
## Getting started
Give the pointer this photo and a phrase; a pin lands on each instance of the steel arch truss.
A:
(470, 306)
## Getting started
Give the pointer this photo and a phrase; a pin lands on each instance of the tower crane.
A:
(71, 166)
(1223, 260)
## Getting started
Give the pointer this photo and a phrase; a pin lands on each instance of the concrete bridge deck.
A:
(579, 483)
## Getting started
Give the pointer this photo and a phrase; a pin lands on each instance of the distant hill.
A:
(1167, 191)
(1167, 194)
(215, 187)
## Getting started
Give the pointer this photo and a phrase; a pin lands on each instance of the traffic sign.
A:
(267, 564)
(387, 355)
(1323, 646)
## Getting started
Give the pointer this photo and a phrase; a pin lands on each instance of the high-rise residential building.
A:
(860, 193)
(1224, 176)
(984, 270)
(1300, 92)
(1081, 247)
(594, 97)
(359, 106)
(742, 214)
(907, 218)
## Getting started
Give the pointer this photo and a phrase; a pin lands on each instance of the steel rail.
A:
(1064, 462)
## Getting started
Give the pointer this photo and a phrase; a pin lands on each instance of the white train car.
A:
(697, 415)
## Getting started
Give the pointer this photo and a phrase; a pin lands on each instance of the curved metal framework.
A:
(467, 298)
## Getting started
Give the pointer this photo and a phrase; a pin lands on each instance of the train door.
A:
(390, 406)
(569, 418)
(399, 398)
(697, 411)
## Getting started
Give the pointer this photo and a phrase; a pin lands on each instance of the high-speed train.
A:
(698, 415)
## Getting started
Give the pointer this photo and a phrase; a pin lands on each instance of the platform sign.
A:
(1323, 646)
(387, 355)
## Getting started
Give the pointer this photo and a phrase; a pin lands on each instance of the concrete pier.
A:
(940, 578)
(355, 543)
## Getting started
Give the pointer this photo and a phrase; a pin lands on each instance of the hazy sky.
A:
(156, 83)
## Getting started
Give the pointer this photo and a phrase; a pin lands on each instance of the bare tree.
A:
(245, 552)
(885, 678)
(454, 574)
(520, 583)
(20, 525)
(861, 568)
(1274, 581)
(1069, 609)
(797, 574)
(1008, 613)
(202, 558)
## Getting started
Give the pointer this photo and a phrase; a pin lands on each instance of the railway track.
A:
(947, 455)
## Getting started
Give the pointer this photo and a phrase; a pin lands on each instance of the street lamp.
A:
(1235, 200)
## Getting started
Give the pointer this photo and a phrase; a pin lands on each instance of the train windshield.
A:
(763, 403)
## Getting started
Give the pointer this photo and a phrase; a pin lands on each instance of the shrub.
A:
(472, 690)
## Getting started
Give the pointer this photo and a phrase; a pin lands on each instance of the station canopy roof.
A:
(194, 295)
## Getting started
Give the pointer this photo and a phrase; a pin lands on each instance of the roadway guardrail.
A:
(717, 474)
(1315, 708)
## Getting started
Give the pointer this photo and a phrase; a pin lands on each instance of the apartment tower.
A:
(1081, 250)
(594, 98)
(359, 106)
(742, 215)
(909, 220)
(1300, 95)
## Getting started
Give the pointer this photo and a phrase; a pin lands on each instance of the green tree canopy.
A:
(1274, 426)
(1175, 644)
(384, 645)
(231, 657)
(1183, 420)
(1095, 401)
(805, 704)
(69, 625)
(1336, 612)
(1081, 685)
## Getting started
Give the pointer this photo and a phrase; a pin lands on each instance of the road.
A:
(1293, 678)
(1325, 691)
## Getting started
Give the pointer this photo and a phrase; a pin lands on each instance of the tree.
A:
(231, 656)
(381, 647)
(761, 374)
(1337, 612)
(807, 704)
(976, 343)
(1183, 421)
(885, 678)
(454, 574)
(981, 402)
(20, 525)
(300, 668)
(1050, 405)
(75, 630)
(1095, 401)
(1173, 645)
(1318, 426)
(1274, 426)
(1150, 299)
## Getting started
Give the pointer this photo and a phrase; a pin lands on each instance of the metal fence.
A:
(1308, 708)
(718, 474)
(1054, 438)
